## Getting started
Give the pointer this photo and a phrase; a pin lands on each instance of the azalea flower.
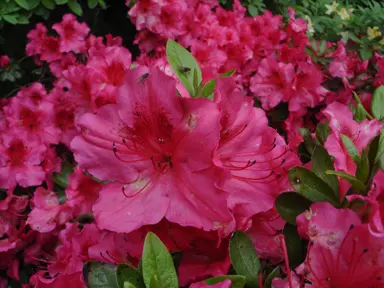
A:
(161, 147)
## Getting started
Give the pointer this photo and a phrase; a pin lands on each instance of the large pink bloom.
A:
(157, 147)
(342, 253)
(255, 154)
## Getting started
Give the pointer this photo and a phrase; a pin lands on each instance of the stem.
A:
(286, 259)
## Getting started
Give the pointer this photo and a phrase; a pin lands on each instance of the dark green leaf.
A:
(366, 53)
(295, 246)
(99, 275)
(48, 4)
(28, 4)
(380, 148)
(377, 106)
(61, 2)
(237, 281)
(75, 7)
(208, 89)
(321, 162)
(275, 273)
(362, 171)
(128, 273)
(92, 3)
(311, 186)
(308, 141)
(356, 183)
(102, 4)
(157, 263)
(178, 57)
(290, 204)
(323, 45)
(322, 132)
(61, 178)
(244, 258)
(351, 148)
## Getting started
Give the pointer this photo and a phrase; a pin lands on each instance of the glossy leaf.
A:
(322, 132)
(228, 73)
(294, 245)
(127, 273)
(75, 7)
(275, 273)
(377, 106)
(238, 281)
(50, 4)
(362, 171)
(244, 258)
(92, 3)
(180, 58)
(290, 204)
(308, 141)
(321, 162)
(157, 264)
(61, 178)
(99, 275)
(356, 183)
(351, 148)
(208, 89)
(311, 186)
(61, 2)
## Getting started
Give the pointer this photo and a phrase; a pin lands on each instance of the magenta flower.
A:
(157, 148)
(72, 34)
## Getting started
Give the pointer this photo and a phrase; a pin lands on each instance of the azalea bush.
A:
(229, 151)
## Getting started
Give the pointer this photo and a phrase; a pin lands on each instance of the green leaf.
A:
(128, 285)
(244, 258)
(99, 275)
(28, 4)
(208, 89)
(351, 148)
(238, 281)
(48, 4)
(158, 264)
(380, 148)
(308, 141)
(127, 273)
(356, 183)
(11, 18)
(290, 204)
(102, 4)
(323, 45)
(362, 171)
(61, 2)
(366, 53)
(227, 74)
(322, 132)
(252, 10)
(75, 7)
(295, 247)
(61, 178)
(92, 3)
(377, 106)
(179, 57)
(275, 273)
(311, 186)
(360, 113)
(321, 162)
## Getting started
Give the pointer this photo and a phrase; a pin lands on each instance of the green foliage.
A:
(20, 11)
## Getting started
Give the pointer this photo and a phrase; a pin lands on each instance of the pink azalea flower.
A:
(273, 82)
(341, 122)
(47, 213)
(72, 34)
(82, 192)
(265, 233)
(256, 156)
(4, 60)
(20, 160)
(50, 50)
(36, 39)
(60, 281)
(342, 252)
(153, 152)
(35, 120)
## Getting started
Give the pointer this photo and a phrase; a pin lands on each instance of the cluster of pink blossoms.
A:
(270, 57)
(190, 170)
